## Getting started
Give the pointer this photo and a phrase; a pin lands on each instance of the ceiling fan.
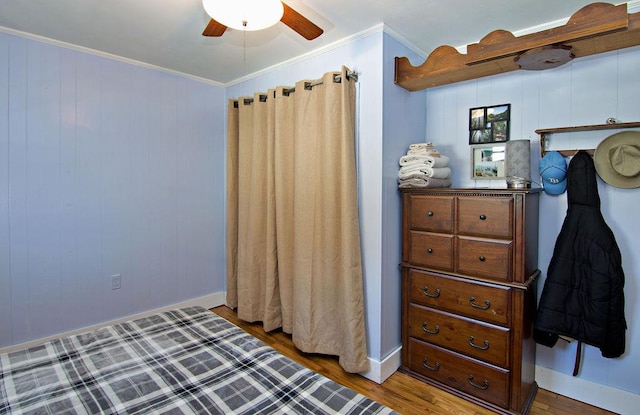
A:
(290, 17)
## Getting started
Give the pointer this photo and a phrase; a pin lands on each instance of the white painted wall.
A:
(105, 168)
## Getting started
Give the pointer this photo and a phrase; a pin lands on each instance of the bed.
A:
(183, 361)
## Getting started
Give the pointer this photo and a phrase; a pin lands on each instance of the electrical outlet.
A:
(115, 282)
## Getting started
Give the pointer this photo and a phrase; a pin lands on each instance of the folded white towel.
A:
(437, 161)
(432, 160)
(408, 170)
(410, 159)
(422, 152)
(426, 146)
(437, 172)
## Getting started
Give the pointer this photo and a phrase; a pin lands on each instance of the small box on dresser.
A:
(469, 274)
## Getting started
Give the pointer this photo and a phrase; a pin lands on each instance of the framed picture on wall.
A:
(489, 124)
(488, 161)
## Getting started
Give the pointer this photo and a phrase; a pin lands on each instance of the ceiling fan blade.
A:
(214, 29)
(300, 24)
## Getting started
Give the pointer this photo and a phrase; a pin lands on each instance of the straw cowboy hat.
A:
(617, 159)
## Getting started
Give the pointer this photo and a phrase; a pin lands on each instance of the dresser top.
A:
(484, 191)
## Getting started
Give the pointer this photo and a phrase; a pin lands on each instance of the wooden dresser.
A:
(469, 272)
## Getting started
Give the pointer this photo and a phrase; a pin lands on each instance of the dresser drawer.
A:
(431, 213)
(483, 258)
(460, 372)
(472, 299)
(431, 250)
(470, 337)
(485, 217)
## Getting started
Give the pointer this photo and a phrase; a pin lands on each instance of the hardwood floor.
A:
(401, 392)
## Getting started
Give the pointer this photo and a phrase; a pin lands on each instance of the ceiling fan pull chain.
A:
(244, 43)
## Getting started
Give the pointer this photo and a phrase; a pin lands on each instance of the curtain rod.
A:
(307, 85)
(336, 78)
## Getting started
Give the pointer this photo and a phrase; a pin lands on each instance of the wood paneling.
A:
(105, 168)
(585, 92)
(5, 253)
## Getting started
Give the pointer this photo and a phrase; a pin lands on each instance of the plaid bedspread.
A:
(187, 361)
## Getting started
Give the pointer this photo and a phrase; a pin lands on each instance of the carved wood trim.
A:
(596, 28)
(595, 19)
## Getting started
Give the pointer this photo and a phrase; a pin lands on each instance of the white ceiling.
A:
(167, 33)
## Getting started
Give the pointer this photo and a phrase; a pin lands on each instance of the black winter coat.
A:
(583, 294)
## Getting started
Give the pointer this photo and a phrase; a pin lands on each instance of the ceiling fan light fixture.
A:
(245, 14)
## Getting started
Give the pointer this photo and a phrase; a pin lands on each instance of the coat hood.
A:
(582, 187)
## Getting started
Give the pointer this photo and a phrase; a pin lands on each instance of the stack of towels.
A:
(424, 166)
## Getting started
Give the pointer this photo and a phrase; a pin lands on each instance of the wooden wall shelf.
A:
(596, 28)
(544, 133)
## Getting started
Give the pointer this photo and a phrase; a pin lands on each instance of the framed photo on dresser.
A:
(488, 161)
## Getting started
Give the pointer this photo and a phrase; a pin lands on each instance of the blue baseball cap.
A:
(553, 170)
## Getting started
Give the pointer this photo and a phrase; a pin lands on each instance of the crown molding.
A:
(106, 55)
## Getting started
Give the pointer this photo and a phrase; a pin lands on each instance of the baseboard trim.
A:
(379, 371)
(207, 301)
(602, 396)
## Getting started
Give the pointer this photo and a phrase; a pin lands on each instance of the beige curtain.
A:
(293, 242)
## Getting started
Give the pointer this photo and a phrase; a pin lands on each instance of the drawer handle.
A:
(425, 291)
(430, 213)
(482, 258)
(479, 307)
(484, 386)
(436, 329)
(435, 367)
(483, 217)
(430, 250)
(472, 344)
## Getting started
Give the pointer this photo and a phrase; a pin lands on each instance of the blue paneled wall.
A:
(586, 91)
(112, 168)
(106, 168)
